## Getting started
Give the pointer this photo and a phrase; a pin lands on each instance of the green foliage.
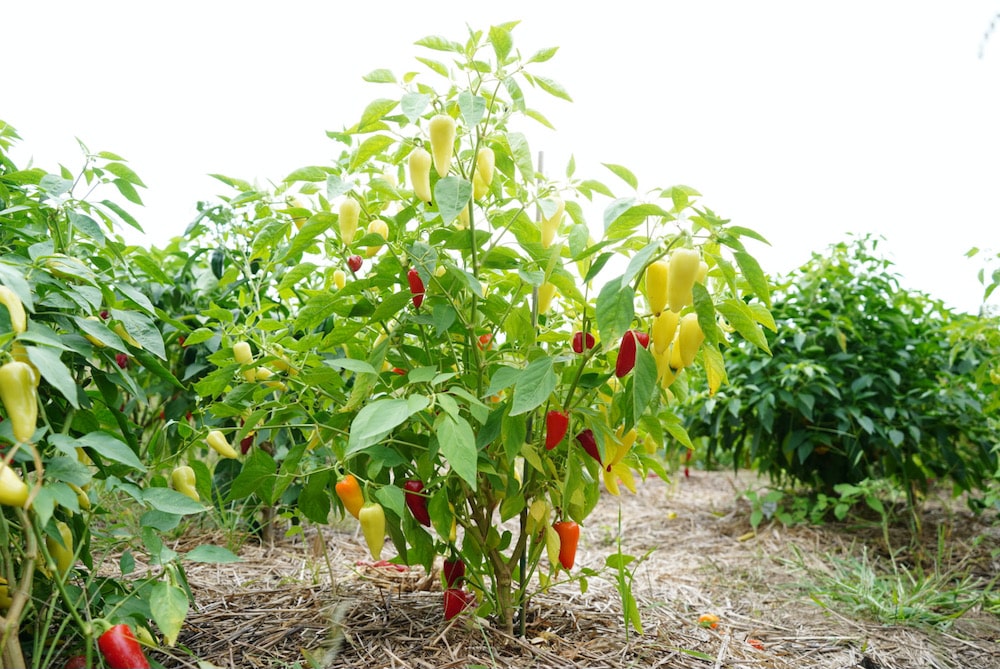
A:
(866, 380)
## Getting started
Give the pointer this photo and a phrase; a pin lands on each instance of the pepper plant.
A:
(423, 313)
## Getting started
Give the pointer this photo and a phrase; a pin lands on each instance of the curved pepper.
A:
(349, 491)
(582, 341)
(569, 537)
(184, 482)
(372, 519)
(17, 392)
(221, 445)
(546, 292)
(682, 271)
(350, 212)
(62, 550)
(416, 502)
(550, 225)
(454, 572)
(589, 444)
(626, 354)
(18, 319)
(416, 286)
(419, 165)
(121, 650)
(13, 491)
(656, 286)
(556, 424)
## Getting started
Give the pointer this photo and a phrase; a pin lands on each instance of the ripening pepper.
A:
(589, 444)
(690, 338)
(221, 445)
(456, 600)
(453, 570)
(656, 286)
(372, 519)
(416, 286)
(702, 275)
(546, 291)
(18, 319)
(681, 275)
(120, 648)
(244, 356)
(350, 212)
(184, 482)
(462, 220)
(17, 391)
(377, 227)
(569, 537)
(349, 491)
(419, 164)
(550, 225)
(13, 491)
(441, 129)
(556, 424)
(481, 180)
(61, 550)
(120, 330)
(416, 502)
(339, 279)
(626, 354)
(664, 327)
(582, 341)
(641, 338)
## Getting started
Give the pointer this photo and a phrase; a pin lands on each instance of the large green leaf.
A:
(377, 419)
(457, 443)
(533, 386)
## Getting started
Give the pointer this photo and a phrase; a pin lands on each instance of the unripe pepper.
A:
(61, 551)
(91, 338)
(5, 599)
(17, 391)
(120, 330)
(569, 537)
(18, 319)
(184, 482)
(626, 354)
(656, 286)
(244, 356)
(551, 224)
(339, 279)
(485, 163)
(13, 491)
(546, 291)
(582, 341)
(416, 286)
(372, 519)
(453, 570)
(416, 502)
(120, 648)
(221, 445)
(419, 164)
(350, 212)
(589, 444)
(349, 491)
(664, 327)
(377, 227)
(442, 132)
(556, 424)
(682, 272)
(690, 338)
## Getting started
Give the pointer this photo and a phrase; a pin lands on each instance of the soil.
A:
(307, 600)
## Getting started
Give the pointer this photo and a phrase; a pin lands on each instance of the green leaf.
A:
(473, 107)
(392, 498)
(380, 76)
(543, 55)
(754, 276)
(435, 66)
(624, 174)
(375, 112)
(644, 386)
(359, 366)
(743, 319)
(257, 475)
(143, 330)
(109, 447)
(209, 554)
(171, 501)
(452, 195)
(440, 44)
(87, 226)
(639, 261)
(615, 309)
(521, 153)
(414, 104)
(458, 446)
(124, 172)
(502, 42)
(314, 227)
(335, 187)
(169, 606)
(533, 386)
(370, 147)
(55, 372)
(377, 419)
(553, 88)
(294, 275)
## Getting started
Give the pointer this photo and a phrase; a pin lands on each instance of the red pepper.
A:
(456, 600)
(642, 338)
(626, 355)
(76, 662)
(556, 424)
(246, 443)
(589, 444)
(454, 572)
(569, 537)
(122, 360)
(416, 287)
(354, 263)
(121, 650)
(484, 341)
(417, 503)
(581, 341)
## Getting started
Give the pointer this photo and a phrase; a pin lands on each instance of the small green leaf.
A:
(534, 385)
(473, 107)
(380, 76)
(169, 606)
(623, 173)
(209, 554)
(458, 446)
(375, 112)
(377, 419)
(171, 501)
(54, 371)
(502, 43)
(109, 447)
(553, 88)
(414, 104)
(452, 195)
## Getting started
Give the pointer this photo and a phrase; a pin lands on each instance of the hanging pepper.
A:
(589, 444)
(18, 319)
(556, 424)
(419, 164)
(349, 491)
(244, 356)
(569, 537)
(221, 445)
(416, 286)
(372, 519)
(485, 162)
(62, 550)
(582, 341)
(416, 502)
(664, 326)
(17, 391)
(377, 227)
(13, 491)
(350, 212)
(441, 129)
(626, 354)
(546, 292)
(682, 272)
(456, 600)
(453, 570)
(656, 286)
(121, 650)
(690, 338)
(184, 482)
(550, 225)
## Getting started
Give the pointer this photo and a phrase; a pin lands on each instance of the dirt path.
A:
(281, 602)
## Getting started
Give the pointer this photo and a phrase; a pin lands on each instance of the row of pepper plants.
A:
(426, 334)
(431, 339)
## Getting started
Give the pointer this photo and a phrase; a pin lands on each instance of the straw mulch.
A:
(307, 600)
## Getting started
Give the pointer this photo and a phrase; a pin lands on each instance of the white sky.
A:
(801, 120)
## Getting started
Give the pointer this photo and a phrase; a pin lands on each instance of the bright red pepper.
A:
(354, 263)
(589, 444)
(76, 662)
(569, 537)
(582, 341)
(454, 572)
(121, 650)
(626, 354)
(416, 287)
(416, 502)
(556, 424)
(456, 600)
(642, 338)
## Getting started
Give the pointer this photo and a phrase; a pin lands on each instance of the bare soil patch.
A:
(294, 602)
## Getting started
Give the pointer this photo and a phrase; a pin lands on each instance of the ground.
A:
(307, 600)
